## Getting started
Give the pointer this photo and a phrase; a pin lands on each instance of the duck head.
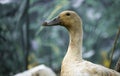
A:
(68, 19)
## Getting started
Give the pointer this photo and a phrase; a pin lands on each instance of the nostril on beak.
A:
(55, 19)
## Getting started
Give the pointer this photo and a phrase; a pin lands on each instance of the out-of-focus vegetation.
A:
(21, 33)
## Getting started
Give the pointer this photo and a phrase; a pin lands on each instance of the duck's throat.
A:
(74, 51)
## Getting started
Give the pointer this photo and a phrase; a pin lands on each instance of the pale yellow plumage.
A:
(73, 64)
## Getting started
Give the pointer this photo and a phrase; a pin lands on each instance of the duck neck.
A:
(75, 44)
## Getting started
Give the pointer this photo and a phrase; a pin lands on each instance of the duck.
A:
(40, 70)
(73, 64)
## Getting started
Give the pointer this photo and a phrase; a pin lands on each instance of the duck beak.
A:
(55, 21)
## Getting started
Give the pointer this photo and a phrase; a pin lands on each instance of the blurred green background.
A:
(24, 43)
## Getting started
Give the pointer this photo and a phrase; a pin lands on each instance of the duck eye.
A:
(68, 14)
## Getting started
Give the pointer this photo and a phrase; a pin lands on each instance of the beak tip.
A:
(44, 24)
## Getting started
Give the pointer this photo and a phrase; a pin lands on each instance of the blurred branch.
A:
(21, 12)
(114, 46)
(27, 35)
(21, 18)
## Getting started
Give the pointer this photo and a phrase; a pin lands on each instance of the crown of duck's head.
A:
(69, 19)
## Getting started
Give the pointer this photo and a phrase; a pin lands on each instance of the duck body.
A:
(85, 68)
(73, 64)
